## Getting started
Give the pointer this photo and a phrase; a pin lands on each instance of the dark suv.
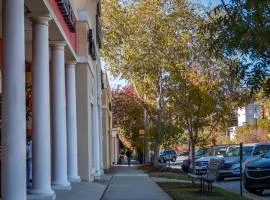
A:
(257, 174)
(167, 155)
(230, 164)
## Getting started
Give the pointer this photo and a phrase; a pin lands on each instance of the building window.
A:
(92, 46)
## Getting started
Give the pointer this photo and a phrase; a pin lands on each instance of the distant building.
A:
(244, 115)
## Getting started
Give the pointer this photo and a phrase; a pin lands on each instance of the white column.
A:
(13, 119)
(72, 150)
(100, 137)
(96, 129)
(41, 108)
(97, 144)
(100, 116)
(116, 150)
(59, 129)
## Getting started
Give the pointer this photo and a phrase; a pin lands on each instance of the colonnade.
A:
(54, 110)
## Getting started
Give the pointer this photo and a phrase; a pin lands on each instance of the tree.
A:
(250, 133)
(205, 99)
(142, 40)
(241, 29)
(128, 113)
(156, 45)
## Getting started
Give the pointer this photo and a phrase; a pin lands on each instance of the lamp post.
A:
(142, 135)
(256, 117)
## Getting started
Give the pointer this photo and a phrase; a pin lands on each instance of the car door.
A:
(167, 155)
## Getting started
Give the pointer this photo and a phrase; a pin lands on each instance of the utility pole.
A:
(145, 119)
(256, 120)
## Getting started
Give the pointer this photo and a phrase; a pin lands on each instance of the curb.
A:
(106, 188)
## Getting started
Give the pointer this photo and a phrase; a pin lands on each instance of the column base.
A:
(102, 171)
(40, 197)
(92, 178)
(97, 175)
(74, 179)
(36, 194)
(61, 186)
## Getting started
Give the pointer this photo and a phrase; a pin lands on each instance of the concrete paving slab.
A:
(129, 183)
(82, 191)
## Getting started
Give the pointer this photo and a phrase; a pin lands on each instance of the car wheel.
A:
(173, 159)
(259, 192)
(254, 190)
(162, 160)
(220, 178)
(185, 169)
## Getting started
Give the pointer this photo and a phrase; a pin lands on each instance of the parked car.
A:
(230, 164)
(257, 174)
(167, 155)
(198, 153)
(182, 156)
(218, 152)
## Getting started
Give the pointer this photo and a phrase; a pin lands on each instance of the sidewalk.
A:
(129, 183)
(82, 191)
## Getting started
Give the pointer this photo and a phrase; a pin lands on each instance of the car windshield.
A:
(216, 151)
(200, 152)
(185, 154)
(236, 151)
(267, 155)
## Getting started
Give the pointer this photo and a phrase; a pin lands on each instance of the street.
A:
(229, 184)
(234, 185)
(129, 183)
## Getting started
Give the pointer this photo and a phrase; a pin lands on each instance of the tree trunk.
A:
(156, 155)
(159, 114)
(157, 141)
(193, 159)
(193, 156)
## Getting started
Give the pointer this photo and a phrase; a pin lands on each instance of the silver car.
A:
(216, 152)
(230, 163)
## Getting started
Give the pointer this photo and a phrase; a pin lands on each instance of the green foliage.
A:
(248, 133)
(156, 45)
(128, 113)
(241, 29)
(143, 41)
(179, 191)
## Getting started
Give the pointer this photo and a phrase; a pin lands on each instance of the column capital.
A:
(58, 44)
(41, 19)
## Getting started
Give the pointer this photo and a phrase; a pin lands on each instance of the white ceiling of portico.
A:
(37, 7)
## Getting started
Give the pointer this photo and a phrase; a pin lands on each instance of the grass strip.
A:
(170, 175)
(184, 191)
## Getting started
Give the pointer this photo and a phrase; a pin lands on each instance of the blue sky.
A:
(213, 2)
